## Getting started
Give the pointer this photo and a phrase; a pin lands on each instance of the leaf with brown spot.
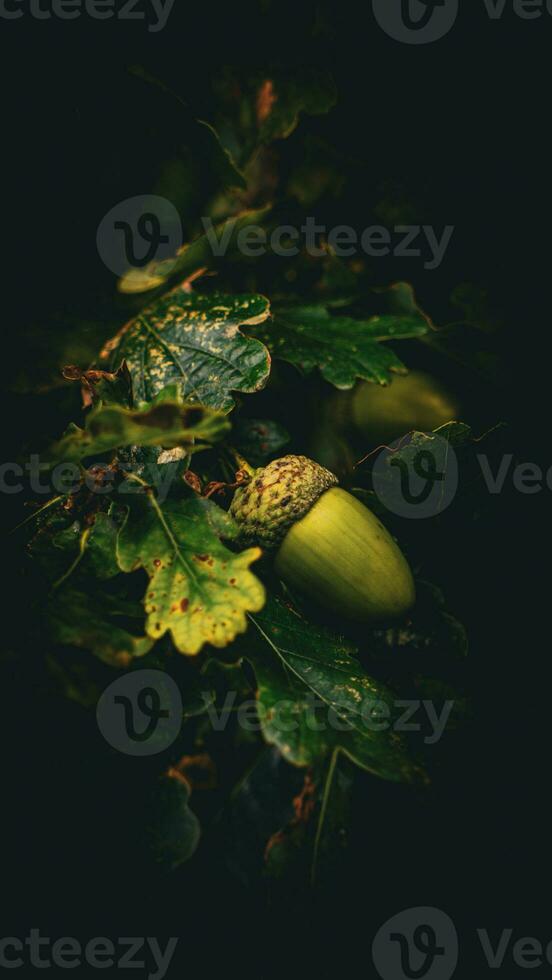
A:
(178, 544)
(167, 422)
(256, 108)
(107, 387)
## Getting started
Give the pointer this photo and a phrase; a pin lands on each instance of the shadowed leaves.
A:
(344, 348)
(194, 257)
(315, 697)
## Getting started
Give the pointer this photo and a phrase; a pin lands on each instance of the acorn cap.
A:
(276, 497)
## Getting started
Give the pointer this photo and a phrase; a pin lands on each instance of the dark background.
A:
(465, 120)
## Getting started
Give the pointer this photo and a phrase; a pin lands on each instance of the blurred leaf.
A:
(202, 253)
(88, 619)
(456, 454)
(167, 422)
(77, 680)
(286, 852)
(438, 452)
(258, 439)
(438, 691)
(431, 634)
(334, 816)
(320, 169)
(195, 342)
(172, 829)
(57, 340)
(475, 304)
(257, 108)
(314, 839)
(101, 547)
(199, 134)
(72, 531)
(475, 340)
(198, 590)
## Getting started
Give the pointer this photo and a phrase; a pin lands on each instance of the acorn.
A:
(325, 543)
(382, 413)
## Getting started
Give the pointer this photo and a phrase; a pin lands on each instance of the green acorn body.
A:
(326, 544)
(382, 413)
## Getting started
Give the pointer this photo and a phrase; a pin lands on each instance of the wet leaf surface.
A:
(195, 342)
(344, 348)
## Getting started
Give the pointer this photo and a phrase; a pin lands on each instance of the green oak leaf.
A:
(257, 108)
(94, 620)
(218, 241)
(317, 834)
(101, 544)
(89, 605)
(200, 136)
(172, 830)
(431, 632)
(315, 698)
(342, 347)
(194, 341)
(259, 439)
(474, 339)
(165, 422)
(163, 469)
(199, 590)
(72, 534)
(443, 447)
(458, 435)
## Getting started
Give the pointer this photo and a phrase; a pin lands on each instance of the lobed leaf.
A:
(165, 422)
(342, 347)
(90, 620)
(308, 660)
(199, 590)
(257, 108)
(194, 341)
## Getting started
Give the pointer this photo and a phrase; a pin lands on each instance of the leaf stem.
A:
(241, 461)
(82, 548)
(161, 518)
(37, 513)
(323, 809)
